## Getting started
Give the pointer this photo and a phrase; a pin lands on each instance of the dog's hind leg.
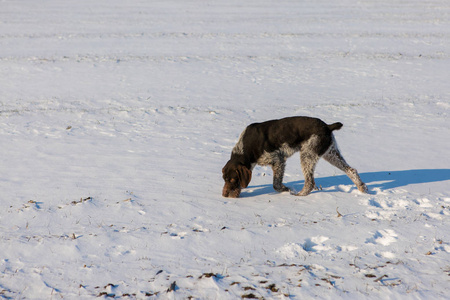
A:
(334, 157)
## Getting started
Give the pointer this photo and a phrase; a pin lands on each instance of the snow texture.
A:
(116, 118)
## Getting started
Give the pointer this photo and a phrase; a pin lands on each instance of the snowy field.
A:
(116, 118)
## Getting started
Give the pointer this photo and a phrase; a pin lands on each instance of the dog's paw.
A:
(282, 188)
(301, 193)
(363, 189)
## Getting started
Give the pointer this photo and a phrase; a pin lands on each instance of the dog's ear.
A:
(224, 169)
(245, 175)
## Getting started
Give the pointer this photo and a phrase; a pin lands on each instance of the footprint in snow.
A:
(424, 202)
(386, 254)
(291, 251)
(315, 244)
(383, 237)
(295, 250)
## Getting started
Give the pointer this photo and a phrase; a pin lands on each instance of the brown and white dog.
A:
(272, 142)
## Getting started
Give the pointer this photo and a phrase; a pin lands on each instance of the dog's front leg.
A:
(308, 161)
(278, 173)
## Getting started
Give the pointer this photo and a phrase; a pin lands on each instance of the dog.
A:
(273, 142)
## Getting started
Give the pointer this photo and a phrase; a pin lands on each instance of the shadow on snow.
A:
(383, 180)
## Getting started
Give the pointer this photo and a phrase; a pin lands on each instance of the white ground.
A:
(116, 118)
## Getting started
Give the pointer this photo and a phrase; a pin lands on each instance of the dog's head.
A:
(236, 176)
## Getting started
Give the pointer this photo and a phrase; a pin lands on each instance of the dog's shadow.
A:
(383, 180)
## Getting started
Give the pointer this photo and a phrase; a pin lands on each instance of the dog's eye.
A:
(232, 180)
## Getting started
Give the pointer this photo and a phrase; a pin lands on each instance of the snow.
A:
(116, 118)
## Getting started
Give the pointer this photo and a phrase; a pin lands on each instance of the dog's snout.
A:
(231, 192)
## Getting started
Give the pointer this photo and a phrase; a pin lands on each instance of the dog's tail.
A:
(335, 126)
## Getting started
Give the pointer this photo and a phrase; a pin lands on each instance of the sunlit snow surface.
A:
(116, 118)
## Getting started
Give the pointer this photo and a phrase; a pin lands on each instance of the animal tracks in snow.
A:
(383, 237)
(291, 251)
(386, 205)
(316, 244)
